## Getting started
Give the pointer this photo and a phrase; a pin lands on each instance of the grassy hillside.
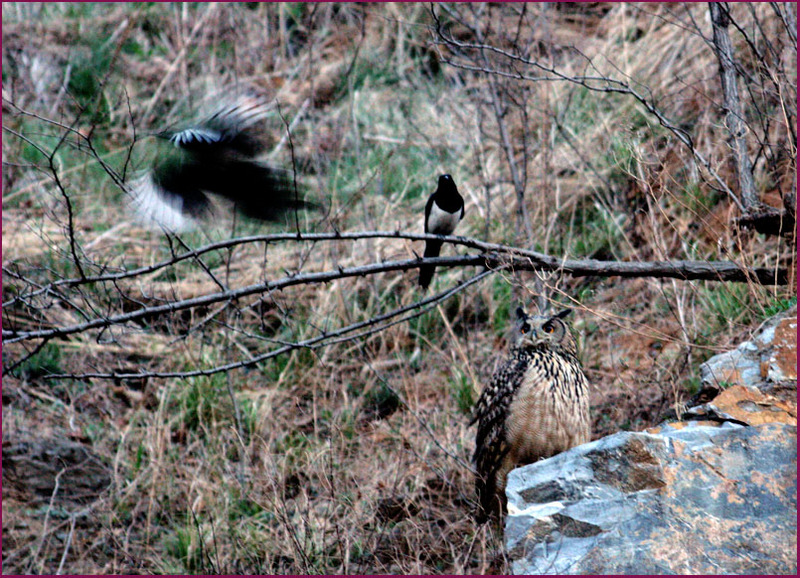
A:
(352, 455)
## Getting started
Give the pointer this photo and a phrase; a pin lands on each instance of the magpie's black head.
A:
(447, 184)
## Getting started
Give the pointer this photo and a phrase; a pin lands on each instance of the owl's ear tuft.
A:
(521, 313)
(563, 313)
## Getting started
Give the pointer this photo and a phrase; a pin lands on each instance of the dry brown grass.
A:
(352, 457)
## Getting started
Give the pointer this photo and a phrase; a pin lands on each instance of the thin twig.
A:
(329, 338)
(596, 83)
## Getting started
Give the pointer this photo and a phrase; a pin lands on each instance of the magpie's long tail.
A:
(432, 249)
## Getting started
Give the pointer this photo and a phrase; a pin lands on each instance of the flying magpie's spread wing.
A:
(215, 156)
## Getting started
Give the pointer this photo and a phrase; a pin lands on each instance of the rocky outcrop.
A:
(767, 361)
(717, 494)
(700, 499)
(756, 382)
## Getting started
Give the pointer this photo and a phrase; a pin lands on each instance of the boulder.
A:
(713, 494)
(694, 498)
(756, 382)
(53, 470)
(767, 361)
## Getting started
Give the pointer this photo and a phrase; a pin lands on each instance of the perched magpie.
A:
(216, 155)
(444, 210)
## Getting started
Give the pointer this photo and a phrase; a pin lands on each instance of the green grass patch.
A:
(596, 232)
(379, 402)
(204, 403)
(461, 391)
(46, 361)
(779, 305)
(187, 550)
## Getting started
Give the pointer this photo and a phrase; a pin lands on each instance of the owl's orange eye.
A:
(548, 328)
(524, 328)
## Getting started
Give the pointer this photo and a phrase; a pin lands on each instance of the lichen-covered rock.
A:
(691, 499)
(747, 406)
(769, 359)
(756, 382)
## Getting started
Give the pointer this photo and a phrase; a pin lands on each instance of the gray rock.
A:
(690, 499)
(54, 469)
(770, 358)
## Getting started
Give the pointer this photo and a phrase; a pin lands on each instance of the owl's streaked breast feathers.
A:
(536, 405)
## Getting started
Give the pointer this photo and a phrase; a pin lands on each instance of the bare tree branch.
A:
(788, 18)
(493, 257)
(590, 82)
(375, 323)
(755, 215)
(709, 270)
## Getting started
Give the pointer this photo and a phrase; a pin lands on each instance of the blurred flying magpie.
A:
(215, 156)
(445, 208)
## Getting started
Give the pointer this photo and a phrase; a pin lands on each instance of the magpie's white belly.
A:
(441, 222)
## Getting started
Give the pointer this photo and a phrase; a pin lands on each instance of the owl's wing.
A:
(491, 445)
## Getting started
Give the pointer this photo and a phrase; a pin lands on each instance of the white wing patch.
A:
(190, 135)
(156, 208)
